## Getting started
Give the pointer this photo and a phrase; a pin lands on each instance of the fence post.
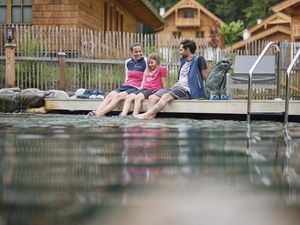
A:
(10, 76)
(62, 66)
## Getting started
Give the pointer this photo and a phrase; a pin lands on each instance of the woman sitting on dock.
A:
(135, 68)
(156, 76)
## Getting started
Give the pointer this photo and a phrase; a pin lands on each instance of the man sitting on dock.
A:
(189, 85)
(135, 68)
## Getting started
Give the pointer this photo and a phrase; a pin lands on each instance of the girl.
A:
(155, 79)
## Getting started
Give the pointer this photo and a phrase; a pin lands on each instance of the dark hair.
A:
(135, 44)
(190, 44)
(155, 56)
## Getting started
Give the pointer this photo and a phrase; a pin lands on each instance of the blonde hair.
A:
(155, 56)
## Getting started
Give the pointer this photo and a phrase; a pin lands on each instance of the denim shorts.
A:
(145, 92)
(176, 91)
(127, 88)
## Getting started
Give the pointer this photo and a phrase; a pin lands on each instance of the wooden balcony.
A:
(187, 22)
(296, 31)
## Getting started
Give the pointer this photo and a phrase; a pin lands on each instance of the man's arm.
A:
(202, 65)
(205, 74)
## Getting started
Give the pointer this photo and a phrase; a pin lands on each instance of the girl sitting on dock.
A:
(156, 76)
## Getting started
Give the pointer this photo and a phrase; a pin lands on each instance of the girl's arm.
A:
(164, 82)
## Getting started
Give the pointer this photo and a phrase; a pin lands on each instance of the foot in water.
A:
(142, 116)
(94, 113)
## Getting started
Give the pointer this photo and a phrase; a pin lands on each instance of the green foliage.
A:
(258, 9)
(232, 32)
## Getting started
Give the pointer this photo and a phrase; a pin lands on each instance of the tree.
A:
(258, 9)
(232, 32)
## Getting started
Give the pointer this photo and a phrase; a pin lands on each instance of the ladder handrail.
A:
(251, 73)
(287, 87)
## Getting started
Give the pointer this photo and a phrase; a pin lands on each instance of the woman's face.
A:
(137, 52)
(152, 64)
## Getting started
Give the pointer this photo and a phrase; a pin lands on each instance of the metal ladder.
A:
(251, 73)
(287, 87)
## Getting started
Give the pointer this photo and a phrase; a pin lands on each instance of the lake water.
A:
(70, 169)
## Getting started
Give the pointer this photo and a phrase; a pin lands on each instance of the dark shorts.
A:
(145, 92)
(127, 88)
(176, 92)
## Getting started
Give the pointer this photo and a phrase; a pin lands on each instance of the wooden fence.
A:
(95, 59)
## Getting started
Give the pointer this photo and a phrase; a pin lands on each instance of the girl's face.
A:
(152, 64)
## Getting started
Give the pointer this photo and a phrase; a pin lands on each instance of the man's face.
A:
(183, 52)
(137, 52)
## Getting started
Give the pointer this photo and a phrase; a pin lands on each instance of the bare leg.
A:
(153, 99)
(113, 104)
(105, 102)
(165, 99)
(128, 101)
(138, 104)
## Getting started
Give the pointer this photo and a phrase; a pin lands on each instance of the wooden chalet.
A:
(284, 24)
(190, 19)
(106, 15)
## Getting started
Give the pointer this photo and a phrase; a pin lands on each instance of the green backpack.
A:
(216, 81)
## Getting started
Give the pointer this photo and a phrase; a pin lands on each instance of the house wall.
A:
(189, 32)
(83, 13)
(91, 15)
(277, 37)
(49, 12)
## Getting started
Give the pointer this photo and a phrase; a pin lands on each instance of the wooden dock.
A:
(208, 107)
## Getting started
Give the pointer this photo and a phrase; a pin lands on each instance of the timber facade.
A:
(190, 19)
(106, 15)
(284, 24)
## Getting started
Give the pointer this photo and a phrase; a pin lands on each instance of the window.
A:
(199, 34)
(188, 14)
(176, 34)
(112, 17)
(16, 11)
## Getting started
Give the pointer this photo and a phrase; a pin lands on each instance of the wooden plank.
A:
(187, 106)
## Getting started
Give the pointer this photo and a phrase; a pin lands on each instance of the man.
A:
(189, 85)
(135, 68)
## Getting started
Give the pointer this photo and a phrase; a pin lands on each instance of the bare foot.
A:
(95, 113)
(142, 116)
(92, 113)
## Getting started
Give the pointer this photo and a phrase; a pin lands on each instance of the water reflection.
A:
(67, 169)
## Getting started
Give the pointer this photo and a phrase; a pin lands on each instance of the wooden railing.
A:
(94, 59)
(187, 22)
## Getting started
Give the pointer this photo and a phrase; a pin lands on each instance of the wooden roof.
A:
(275, 19)
(192, 4)
(284, 5)
(144, 12)
(276, 29)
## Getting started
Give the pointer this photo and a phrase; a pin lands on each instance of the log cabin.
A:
(107, 15)
(283, 24)
(190, 19)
